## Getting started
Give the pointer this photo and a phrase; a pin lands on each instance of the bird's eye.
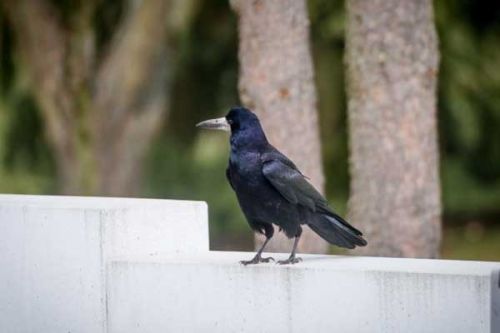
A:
(229, 121)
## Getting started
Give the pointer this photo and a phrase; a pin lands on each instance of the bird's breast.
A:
(258, 199)
(245, 171)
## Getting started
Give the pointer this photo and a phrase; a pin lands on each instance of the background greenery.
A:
(188, 164)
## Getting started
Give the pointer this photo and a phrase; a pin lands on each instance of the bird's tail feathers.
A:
(336, 230)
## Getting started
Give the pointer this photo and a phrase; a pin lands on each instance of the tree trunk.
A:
(131, 102)
(100, 117)
(392, 59)
(277, 82)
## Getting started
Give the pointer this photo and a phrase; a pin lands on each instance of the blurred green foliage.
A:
(185, 163)
(471, 241)
(469, 106)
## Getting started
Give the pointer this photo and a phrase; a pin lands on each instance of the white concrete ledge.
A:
(212, 292)
(138, 227)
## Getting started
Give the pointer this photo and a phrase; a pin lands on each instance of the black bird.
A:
(271, 189)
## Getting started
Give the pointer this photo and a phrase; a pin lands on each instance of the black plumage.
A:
(270, 188)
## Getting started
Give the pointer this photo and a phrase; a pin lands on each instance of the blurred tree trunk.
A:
(277, 82)
(130, 94)
(392, 58)
(42, 44)
(100, 116)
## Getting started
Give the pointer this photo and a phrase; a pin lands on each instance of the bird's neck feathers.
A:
(250, 137)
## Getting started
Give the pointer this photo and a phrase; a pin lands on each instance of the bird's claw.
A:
(291, 260)
(256, 260)
(267, 259)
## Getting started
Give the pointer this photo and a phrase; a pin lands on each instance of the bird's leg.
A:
(258, 257)
(259, 253)
(292, 259)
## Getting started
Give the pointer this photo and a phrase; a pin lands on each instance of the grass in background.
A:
(472, 241)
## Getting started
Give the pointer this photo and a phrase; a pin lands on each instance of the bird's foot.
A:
(291, 260)
(257, 259)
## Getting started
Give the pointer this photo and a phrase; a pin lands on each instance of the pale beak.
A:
(215, 124)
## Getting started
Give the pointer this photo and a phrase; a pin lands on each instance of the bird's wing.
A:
(228, 176)
(290, 183)
(294, 187)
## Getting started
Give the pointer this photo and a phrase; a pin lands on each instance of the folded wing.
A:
(285, 177)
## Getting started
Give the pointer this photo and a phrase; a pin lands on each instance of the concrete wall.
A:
(495, 301)
(54, 251)
(72, 264)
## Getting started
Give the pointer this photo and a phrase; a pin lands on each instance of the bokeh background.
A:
(185, 163)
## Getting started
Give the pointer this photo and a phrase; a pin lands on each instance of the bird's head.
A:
(237, 119)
